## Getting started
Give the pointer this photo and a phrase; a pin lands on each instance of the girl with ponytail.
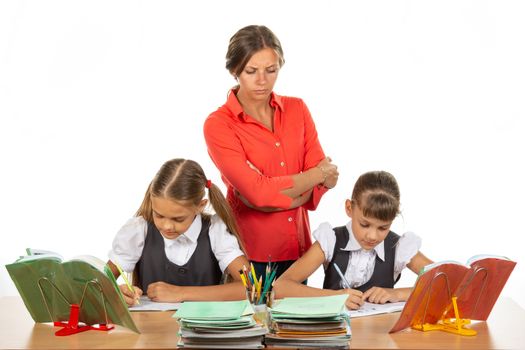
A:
(176, 251)
(363, 259)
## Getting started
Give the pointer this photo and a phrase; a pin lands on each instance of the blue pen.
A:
(345, 282)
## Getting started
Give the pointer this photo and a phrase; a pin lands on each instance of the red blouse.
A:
(233, 138)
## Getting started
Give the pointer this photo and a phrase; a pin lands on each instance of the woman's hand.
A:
(355, 299)
(165, 292)
(379, 295)
(253, 167)
(329, 171)
(130, 297)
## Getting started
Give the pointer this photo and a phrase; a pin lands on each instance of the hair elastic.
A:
(208, 183)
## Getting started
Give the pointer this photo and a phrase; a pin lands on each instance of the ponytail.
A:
(145, 210)
(224, 211)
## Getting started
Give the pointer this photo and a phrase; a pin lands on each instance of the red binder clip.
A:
(72, 326)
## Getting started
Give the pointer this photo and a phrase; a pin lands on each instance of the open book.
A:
(476, 285)
(369, 309)
(146, 304)
(48, 286)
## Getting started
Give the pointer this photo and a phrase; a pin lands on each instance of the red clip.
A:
(72, 326)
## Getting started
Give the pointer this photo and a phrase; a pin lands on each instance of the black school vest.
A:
(383, 275)
(202, 269)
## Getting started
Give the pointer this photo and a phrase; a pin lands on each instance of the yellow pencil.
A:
(259, 289)
(130, 287)
(243, 279)
(253, 275)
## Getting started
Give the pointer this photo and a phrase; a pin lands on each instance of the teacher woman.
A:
(267, 150)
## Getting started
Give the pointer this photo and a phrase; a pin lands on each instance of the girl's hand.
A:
(355, 299)
(379, 295)
(165, 292)
(130, 297)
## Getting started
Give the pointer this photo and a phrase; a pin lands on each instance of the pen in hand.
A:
(130, 287)
(346, 285)
(351, 303)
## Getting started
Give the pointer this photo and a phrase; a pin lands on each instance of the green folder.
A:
(214, 310)
(48, 286)
(327, 306)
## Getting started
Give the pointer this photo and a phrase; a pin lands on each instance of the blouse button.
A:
(290, 219)
(282, 163)
(277, 144)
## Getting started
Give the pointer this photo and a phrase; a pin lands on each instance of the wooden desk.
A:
(503, 330)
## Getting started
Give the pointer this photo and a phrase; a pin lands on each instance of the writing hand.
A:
(354, 300)
(131, 297)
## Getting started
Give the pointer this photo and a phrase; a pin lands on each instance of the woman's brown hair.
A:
(246, 42)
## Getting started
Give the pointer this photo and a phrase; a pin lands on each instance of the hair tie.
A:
(208, 183)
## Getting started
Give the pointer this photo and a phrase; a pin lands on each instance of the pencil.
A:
(268, 284)
(346, 285)
(259, 287)
(243, 279)
(248, 280)
(123, 274)
(267, 273)
(254, 276)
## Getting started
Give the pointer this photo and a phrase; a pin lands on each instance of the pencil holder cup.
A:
(260, 313)
(260, 306)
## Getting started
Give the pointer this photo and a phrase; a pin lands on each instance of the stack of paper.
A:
(219, 325)
(319, 322)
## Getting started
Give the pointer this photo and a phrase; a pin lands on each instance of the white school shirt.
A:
(129, 242)
(362, 262)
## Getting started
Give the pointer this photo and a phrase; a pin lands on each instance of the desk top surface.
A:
(503, 330)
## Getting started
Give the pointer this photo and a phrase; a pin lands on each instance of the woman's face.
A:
(257, 79)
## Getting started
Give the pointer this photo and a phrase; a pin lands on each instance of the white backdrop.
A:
(95, 96)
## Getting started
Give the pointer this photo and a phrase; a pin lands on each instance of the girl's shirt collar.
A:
(191, 234)
(353, 245)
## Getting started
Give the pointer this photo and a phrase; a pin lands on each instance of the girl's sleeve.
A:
(407, 247)
(128, 244)
(223, 244)
(325, 236)
(227, 153)
(313, 155)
